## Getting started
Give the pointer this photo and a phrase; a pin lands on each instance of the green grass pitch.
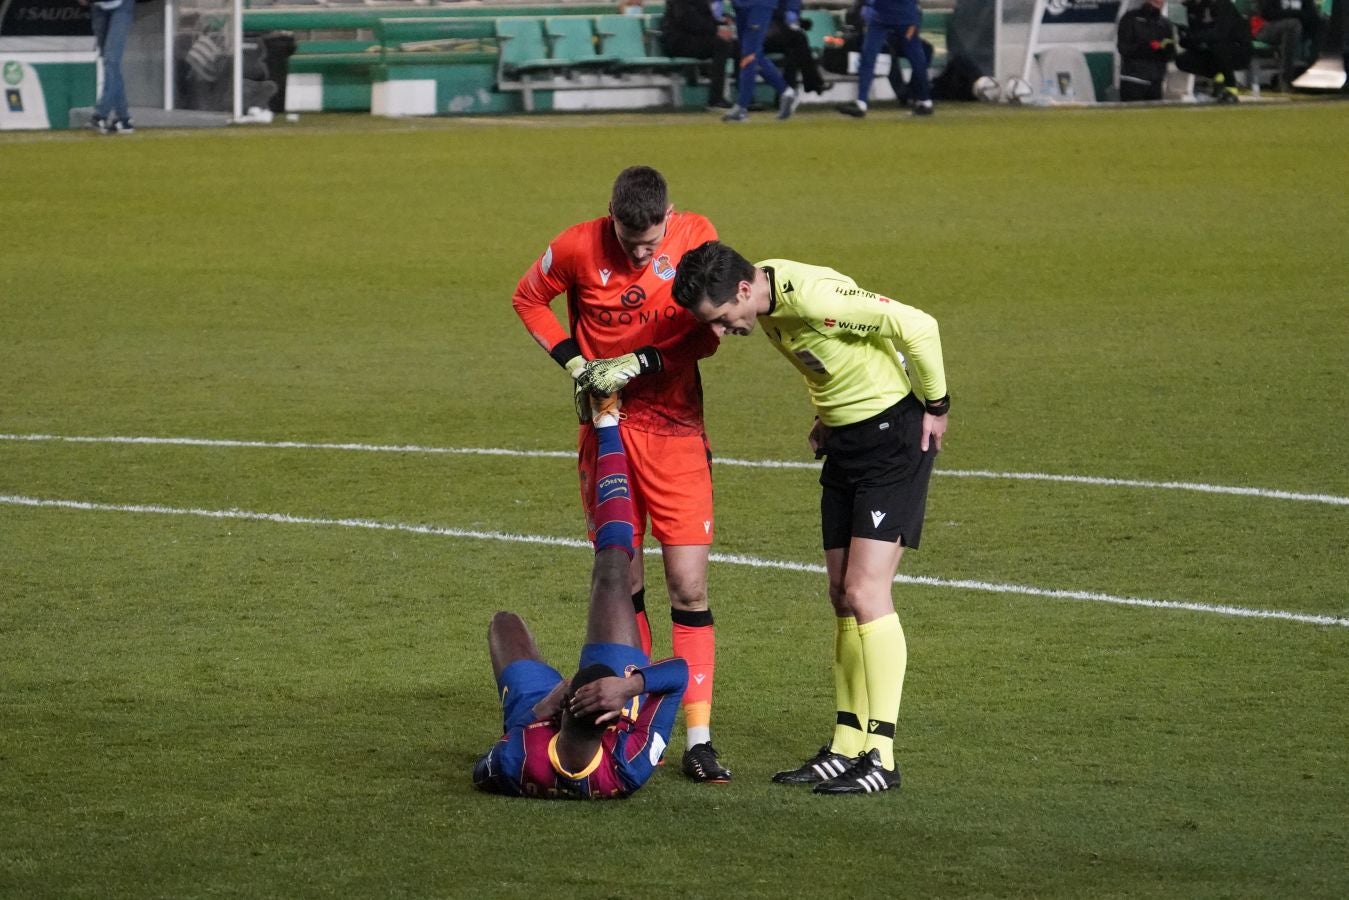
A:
(200, 706)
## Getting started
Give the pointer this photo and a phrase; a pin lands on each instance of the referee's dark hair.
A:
(640, 198)
(712, 270)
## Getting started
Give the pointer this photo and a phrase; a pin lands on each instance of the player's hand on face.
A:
(551, 704)
(604, 694)
(933, 428)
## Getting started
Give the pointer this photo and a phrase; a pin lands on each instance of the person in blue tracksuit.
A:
(112, 20)
(894, 22)
(752, 18)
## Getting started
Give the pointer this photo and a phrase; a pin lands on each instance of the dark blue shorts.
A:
(527, 681)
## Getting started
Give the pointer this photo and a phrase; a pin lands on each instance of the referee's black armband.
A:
(566, 349)
(939, 407)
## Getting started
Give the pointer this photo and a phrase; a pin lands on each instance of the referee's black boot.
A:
(867, 776)
(822, 766)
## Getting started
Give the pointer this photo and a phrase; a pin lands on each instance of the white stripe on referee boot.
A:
(830, 768)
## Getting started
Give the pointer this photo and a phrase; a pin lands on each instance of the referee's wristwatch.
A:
(938, 407)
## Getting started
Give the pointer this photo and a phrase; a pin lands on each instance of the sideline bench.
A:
(344, 52)
(606, 53)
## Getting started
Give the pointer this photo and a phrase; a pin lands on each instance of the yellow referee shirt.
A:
(847, 342)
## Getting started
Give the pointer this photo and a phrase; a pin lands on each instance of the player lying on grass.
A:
(879, 439)
(601, 733)
(625, 333)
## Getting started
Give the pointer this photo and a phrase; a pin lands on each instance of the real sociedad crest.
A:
(664, 271)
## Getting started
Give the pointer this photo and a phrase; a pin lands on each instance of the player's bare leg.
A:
(509, 640)
(686, 575)
(611, 620)
(861, 577)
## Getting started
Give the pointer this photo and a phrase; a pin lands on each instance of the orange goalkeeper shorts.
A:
(671, 485)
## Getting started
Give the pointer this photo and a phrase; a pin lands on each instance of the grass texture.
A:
(200, 706)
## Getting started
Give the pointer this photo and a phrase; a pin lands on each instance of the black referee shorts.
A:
(875, 478)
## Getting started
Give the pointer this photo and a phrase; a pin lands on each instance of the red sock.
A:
(643, 623)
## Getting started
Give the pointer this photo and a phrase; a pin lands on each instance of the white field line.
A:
(1264, 493)
(727, 558)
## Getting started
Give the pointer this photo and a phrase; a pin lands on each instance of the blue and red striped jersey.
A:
(523, 763)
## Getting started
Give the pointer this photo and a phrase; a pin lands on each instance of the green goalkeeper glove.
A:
(605, 376)
(580, 396)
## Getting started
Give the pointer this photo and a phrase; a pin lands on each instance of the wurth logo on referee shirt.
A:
(851, 326)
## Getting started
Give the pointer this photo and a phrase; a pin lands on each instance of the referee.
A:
(874, 370)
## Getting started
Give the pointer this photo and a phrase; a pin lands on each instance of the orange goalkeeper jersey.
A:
(614, 308)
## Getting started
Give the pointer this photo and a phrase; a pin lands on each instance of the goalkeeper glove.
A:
(580, 396)
(605, 376)
(575, 366)
(567, 354)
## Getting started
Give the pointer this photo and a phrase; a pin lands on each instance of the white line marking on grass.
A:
(727, 558)
(291, 445)
(286, 519)
(1264, 493)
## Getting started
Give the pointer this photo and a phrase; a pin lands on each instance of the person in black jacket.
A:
(1216, 40)
(786, 36)
(1285, 25)
(692, 28)
(1147, 42)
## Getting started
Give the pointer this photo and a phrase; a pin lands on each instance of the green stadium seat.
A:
(523, 55)
(624, 39)
(522, 46)
(822, 25)
(574, 43)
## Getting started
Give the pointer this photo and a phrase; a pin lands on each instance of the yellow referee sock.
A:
(850, 689)
(884, 658)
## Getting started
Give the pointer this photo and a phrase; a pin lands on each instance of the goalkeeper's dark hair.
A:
(713, 270)
(640, 198)
(586, 726)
